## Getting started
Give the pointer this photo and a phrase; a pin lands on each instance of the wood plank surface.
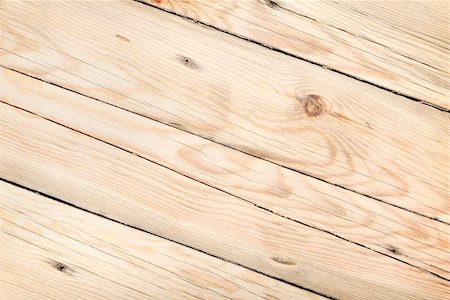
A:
(402, 46)
(417, 240)
(111, 182)
(53, 251)
(239, 94)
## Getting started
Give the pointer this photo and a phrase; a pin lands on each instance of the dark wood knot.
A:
(188, 62)
(313, 105)
(271, 3)
(394, 250)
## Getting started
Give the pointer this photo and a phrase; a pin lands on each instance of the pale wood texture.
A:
(404, 235)
(403, 46)
(239, 94)
(146, 155)
(53, 251)
(109, 181)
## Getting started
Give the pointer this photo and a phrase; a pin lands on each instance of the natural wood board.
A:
(404, 235)
(53, 251)
(178, 149)
(402, 46)
(111, 182)
(288, 111)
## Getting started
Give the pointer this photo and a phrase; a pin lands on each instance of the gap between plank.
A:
(159, 236)
(224, 191)
(275, 5)
(217, 142)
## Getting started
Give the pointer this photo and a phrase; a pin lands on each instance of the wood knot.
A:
(60, 266)
(394, 250)
(283, 261)
(313, 105)
(188, 62)
(271, 3)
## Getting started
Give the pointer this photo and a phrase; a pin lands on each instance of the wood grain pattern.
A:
(403, 46)
(53, 251)
(288, 111)
(103, 179)
(406, 236)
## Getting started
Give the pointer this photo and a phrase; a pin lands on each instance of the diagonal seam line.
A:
(230, 194)
(270, 47)
(165, 238)
(225, 145)
(361, 37)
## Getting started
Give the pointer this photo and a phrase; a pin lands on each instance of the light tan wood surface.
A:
(55, 251)
(406, 236)
(108, 181)
(224, 149)
(402, 46)
(238, 94)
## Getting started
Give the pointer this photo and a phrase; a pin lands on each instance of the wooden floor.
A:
(252, 149)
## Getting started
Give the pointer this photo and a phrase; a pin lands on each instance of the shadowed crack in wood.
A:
(261, 174)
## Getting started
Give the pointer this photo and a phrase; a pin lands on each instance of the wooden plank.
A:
(54, 251)
(288, 111)
(395, 232)
(400, 46)
(341, 130)
(111, 182)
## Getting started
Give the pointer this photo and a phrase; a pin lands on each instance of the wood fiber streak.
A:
(53, 251)
(401, 47)
(111, 182)
(418, 240)
(238, 94)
